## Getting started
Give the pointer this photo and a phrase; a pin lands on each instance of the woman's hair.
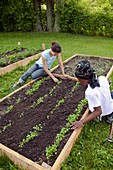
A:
(56, 47)
(84, 71)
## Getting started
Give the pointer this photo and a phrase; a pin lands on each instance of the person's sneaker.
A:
(15, 86)
(98, 119)
(109, 118)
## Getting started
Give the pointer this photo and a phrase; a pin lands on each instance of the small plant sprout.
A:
(50, 150)
(51, 91)
(18, 100)
(9, 109)
(57, 105)
(21, 114)
(6, 126)
(31, 135)
(36, 85)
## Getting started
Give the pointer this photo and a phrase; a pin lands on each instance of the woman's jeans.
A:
(34, 71)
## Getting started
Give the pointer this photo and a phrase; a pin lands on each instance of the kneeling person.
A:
(98, 94)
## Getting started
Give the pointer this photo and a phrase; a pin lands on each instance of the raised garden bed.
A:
(17, 57)
(35, 121)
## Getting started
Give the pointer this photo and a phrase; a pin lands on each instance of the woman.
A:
(97, 94)
(43, 65)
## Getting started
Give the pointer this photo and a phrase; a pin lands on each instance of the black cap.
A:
(84, 70)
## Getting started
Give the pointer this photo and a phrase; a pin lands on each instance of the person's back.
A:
(100, 96)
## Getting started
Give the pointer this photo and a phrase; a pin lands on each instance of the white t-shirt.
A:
(100, 96)
(49, 59)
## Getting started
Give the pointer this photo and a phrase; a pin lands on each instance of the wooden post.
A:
(43, 46)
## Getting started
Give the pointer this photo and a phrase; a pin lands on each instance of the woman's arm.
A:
(61, 64)
(48, 71)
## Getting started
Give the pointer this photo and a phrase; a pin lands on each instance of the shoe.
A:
(15, 86)
(98, 119)
(109, 118)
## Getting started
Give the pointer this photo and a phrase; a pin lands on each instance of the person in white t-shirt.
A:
(43, 65)
(97, 93)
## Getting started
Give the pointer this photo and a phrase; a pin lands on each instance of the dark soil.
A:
(23, 118)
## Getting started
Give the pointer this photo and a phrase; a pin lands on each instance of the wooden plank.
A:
(67, 148)
(110, 72)
(45, 165)
(20, 160)
(24, 86)
(23, 62)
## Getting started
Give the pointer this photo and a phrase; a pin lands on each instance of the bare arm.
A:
(48, 71)
(61, 64)
(78, 124)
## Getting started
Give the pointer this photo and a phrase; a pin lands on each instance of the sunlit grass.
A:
(71, 43)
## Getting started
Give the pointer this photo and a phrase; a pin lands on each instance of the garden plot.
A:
(35, 121)
(10, 60)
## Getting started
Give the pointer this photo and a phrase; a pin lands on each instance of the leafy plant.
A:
(57, 105)
(36, 85)
(50, 150)
(31, 135)
(9, 109)
(6, 126)
(51, 91)
(18, 100)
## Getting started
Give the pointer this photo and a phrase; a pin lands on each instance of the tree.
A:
(50, 7)
(57, 16)
(37, 7)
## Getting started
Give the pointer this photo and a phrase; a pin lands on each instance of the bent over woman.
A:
(43, 65)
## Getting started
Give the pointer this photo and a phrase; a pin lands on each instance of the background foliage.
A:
(81, 17)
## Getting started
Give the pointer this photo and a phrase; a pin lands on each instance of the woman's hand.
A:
(55, 80)
(76, 125)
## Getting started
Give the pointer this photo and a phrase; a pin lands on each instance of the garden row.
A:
(35, 121)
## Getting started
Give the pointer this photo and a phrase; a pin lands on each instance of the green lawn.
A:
(71, 44)
(87, 153)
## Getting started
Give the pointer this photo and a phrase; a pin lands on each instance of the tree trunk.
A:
(50, 7)
(57, 16)
(37, 6)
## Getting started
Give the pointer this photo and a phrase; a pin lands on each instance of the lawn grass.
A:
(87, 153)
(71, 44)
(6, 164)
